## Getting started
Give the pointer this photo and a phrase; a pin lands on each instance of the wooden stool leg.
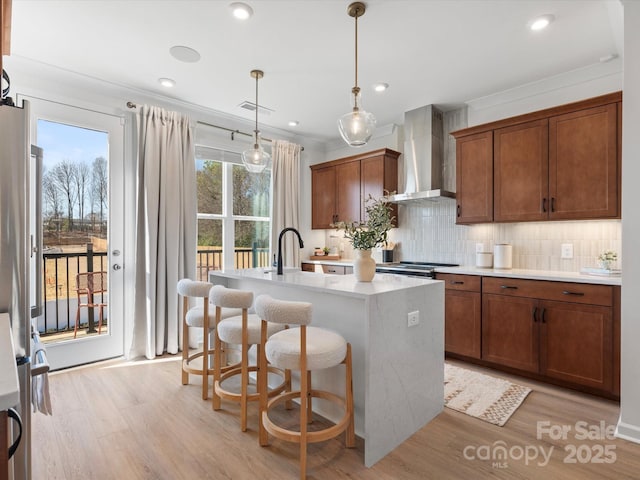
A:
(350, 440)
(244, 373)
(263, 436)
(217, 363)
(185, 340)
(304, 400)
(287, 388)
(309, 399)
(205, 350)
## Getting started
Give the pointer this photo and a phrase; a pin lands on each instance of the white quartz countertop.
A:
(9, 386)
(338, 284)
(551, 275)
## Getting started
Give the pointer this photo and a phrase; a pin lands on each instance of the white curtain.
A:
(286, 199)
(166, 214)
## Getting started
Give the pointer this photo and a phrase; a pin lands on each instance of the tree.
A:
(81, 177)
(209, 187)
(99, 187)
(50, 195)
(64, 178)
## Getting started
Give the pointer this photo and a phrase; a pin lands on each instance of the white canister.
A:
(484, 259)
(502, 255)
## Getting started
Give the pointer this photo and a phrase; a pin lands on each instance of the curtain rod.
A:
(233, 132)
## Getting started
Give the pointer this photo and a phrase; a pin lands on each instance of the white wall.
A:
(629, 423)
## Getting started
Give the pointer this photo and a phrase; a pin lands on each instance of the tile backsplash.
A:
(429, 233)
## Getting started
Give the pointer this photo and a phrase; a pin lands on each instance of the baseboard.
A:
(628, 432)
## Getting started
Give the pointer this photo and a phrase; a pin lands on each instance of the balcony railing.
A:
(59, 273)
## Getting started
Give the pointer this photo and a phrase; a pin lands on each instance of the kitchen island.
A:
(398, 370)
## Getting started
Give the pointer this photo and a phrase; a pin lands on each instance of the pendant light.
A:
(256, 159)
(357, 126)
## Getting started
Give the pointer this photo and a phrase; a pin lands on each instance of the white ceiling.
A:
(443, 52)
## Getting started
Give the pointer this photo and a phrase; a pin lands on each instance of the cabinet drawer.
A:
(586, 293)
(336, 269)
(452, 281)
(308, 267)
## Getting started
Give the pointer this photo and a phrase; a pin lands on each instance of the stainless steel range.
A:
(414, 269)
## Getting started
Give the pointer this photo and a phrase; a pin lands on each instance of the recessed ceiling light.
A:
(294, 123)
(541, 22)
(184, 54)
(380, 87)
(166, 82)
(240, 10)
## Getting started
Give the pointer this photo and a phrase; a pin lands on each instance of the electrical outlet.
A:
(480, 248)
(566, 250)
(413, 318)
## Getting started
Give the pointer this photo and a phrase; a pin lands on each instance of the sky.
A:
(67, 142)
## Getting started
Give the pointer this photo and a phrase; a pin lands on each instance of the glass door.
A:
(82, 232)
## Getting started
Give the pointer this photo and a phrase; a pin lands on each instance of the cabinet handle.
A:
(330, 271)
(542, 319)
(544, 205)
(553, 204)
(456, 282)
(508, 287)
(533, 314)
(577, 294)
(458, 210)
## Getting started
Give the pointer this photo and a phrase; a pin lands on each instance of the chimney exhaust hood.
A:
(423, 157)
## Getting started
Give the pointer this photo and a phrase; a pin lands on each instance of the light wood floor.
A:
(134, 420)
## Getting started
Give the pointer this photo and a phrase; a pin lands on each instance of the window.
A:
(233, 212)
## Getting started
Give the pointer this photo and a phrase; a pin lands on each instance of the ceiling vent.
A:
(251, 106)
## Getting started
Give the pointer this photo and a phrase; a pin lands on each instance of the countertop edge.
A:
(550, 275)
(337, 284)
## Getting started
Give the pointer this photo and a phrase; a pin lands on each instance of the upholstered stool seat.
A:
(326, 349)
(195, 315)
(305, 349)
(244, 330)
(199, 316)
(230, 329)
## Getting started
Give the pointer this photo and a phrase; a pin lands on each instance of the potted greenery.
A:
(366, 235)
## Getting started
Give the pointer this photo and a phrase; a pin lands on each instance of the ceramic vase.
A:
(364, 267)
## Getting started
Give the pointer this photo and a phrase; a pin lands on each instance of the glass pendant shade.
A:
(255, 159)
(357, 127)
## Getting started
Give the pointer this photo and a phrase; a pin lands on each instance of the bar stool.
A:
(304, 349)
(243, 330)
(198, 317)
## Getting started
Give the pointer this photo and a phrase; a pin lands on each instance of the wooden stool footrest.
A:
(312, 437)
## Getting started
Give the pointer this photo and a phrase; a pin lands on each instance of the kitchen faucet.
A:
(284, 230)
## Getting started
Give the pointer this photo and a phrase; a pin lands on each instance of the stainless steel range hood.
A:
(423, 157)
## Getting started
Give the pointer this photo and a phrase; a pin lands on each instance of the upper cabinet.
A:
(474, 178)
(561, 163)
(340, 188)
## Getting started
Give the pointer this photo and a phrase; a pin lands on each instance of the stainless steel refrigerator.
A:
(20, 254)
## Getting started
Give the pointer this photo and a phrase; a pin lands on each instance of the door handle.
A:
(117, 266)
(533, 314)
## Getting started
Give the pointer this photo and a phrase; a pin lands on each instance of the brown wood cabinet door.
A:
(378, 174)
(583, 164)
(348, 197)
(462, 323)
(576, 343)
(474, 178)
(520, 172)
(323, 197)
(510, 331)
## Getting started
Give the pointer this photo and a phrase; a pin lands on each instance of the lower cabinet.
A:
(462, 313)
(327, 268)
(562, 332)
